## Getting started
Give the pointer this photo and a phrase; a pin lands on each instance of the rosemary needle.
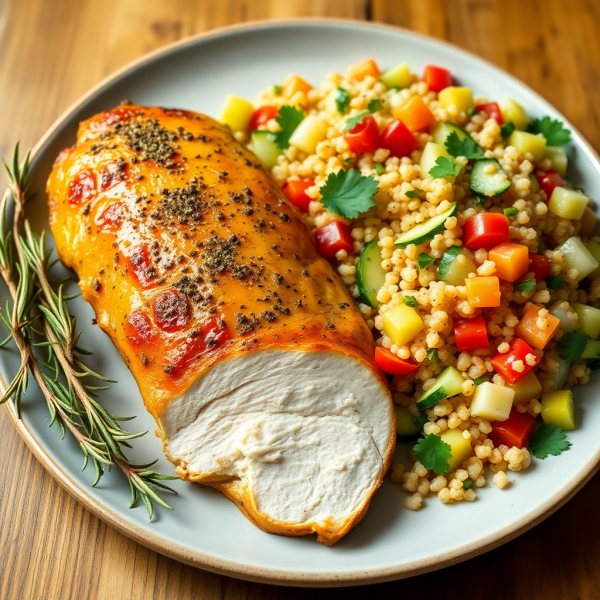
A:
(39, 318)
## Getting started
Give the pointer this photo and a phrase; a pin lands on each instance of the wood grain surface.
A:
(51, 52)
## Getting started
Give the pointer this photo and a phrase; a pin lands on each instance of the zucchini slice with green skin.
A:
(265, 148)
(370, 276)
(425, 231)
(447, 384)
(442, 130)
(488, 184)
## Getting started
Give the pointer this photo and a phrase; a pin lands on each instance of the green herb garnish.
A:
(507, 129)
(467, 147)
(552, 129)
(525, 285)
(444, 167)
(288, 118)
(411, 301)
(413, 193)
(548, 440)
(555, 282)
(433, 453)
(511, 212)
(374, 105)
(379, 168)
(480, 380)
(572, 345)
(342, 99)
(424, 260)
(348, 193)
(432, 355)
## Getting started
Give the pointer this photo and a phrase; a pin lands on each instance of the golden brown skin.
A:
(189, 252)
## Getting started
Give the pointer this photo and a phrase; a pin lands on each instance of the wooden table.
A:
(51, 52)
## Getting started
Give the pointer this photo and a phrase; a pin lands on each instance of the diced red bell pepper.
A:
(392, 364)
(261, 116)
(486, 230)
(515, 431)
(437, 78)
(492, 110)
(549, 180)
(540, 265)
(470, 334)
(398, 139)
(296, 194)
(518, 351)
(332, 238)
(364, 137)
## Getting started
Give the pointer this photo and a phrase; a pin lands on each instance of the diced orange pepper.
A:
(529, 331)
(511, 260)
(363, 69)
(414, 113)
(293, 84)
(483, 292)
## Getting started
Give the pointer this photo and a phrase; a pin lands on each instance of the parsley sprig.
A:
(507, 129)
(348, 193)
(466, 147)
(525, 285)
(288, 118)
(413, 193)
(424, 260)
(342, 99)
(548, 440)
(444, 167)
(372, 107)
(433, 453)
(553, 130)
(572, 345)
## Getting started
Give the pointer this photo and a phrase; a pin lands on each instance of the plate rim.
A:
(155, 542)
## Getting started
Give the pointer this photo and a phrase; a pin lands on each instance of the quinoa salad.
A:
(450, 218)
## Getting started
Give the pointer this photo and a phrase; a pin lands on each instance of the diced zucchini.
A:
(370, 276)
(236, 113)
(513, 112)
(265, 148)
(577, 256)
(528, 142)
(431, 153)
(492, 402)
(427, 230)
(558, 409)
(442, 130)
(460, 97)
(567, 204)
(397, 77)
(526, 389)
(459, 447)
(561, 310)
(402, 324)
(588, 223)
(558, 158)
(488, 178)
(594, 249)
(447, 384)
(308, 134)
(589, 319)
(452, 270)
(592, 349)
(405, 428)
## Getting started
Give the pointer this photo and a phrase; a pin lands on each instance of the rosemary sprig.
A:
(25, 264)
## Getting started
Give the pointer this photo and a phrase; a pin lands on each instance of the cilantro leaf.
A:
(480, 380)
(571, 346)
(511, 212)
(411, 301)
(432, 355)
(348, 193)
(434, 453)
(547, 440)
(555, 282)
(479, 200)
(277, 90)
(424, 260)
(352, 122)
(507, 129)
(580, 189)
(467, 147)
(472, 111)
(379, 168)
(467, 483)
(413, 193)
(288, 118)
(419, 421)
(445, 166)
(348, 161)
(342, 99)
(525, 285)
(374, 105)
(552, 129)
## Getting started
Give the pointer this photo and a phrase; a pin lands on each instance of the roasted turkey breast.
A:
(246, 347)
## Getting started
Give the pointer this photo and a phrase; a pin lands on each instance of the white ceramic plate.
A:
(205, 529)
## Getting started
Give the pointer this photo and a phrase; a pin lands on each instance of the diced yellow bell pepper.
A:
(513, 112)
(398, 76)
(402, 324)
(567, 204)
(492, 402)
(460, 448)
(236, 113)
(589, 319)
(558, 409)
(558, 158)
(461, 97)
(528, 142)
(308, 134)
(526, 389)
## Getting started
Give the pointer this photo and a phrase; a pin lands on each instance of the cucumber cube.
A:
(492, 402)
(589, 319)
(528, 142)
(558, 409)
(265, 148)
(459, 447)
(402, 324)
(558, 158)
(567, 204)
(404, 423)
(561, 310)
(577, 256)
(460, 97)
(397, 77)
(442, 130)
(513, 112)
(236, 113)
(308, 134)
